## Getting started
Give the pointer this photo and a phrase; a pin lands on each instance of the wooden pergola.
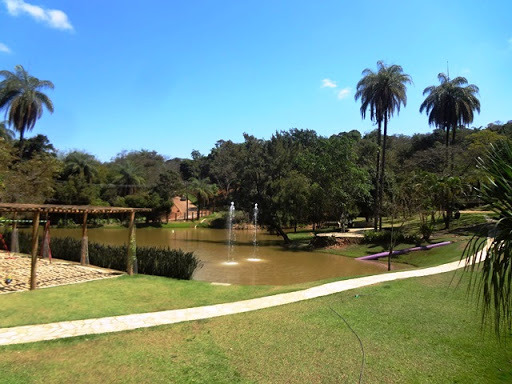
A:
(85, 210)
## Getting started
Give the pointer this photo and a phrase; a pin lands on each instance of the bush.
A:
(384, 237)
(156, 261)
(426, 230)
(323, 241)
(221, 222)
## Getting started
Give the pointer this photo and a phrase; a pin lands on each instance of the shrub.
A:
(384, 237)
(156, 261)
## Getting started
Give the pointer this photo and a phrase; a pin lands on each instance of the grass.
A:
(420, 330)
(119, 296)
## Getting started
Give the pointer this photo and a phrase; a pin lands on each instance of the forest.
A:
(296, 177)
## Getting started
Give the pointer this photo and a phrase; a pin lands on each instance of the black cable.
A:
(360, 343)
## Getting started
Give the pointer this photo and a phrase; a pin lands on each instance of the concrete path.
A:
(33, 333)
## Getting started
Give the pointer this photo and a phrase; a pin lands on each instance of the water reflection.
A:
(266, 264)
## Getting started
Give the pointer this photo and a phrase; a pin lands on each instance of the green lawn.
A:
(434, 256)
(414, 331)
(119, 296)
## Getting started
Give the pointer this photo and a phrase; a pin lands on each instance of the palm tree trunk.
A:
(452, 157)
(21, 143)
(447, 145)
(376, 207)
(382, 165)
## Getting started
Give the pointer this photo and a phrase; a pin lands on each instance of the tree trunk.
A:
(376, 208)
(382, 167)
(452, 157)
(21, 143)
(447, 146)
(281, 233)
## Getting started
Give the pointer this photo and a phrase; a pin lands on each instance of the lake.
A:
(242, 263)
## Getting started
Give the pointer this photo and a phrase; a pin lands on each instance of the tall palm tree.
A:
(21, 95)
(494, 284)
(382, 93)
(450, 105)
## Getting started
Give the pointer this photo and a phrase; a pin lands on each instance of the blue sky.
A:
(174, 76)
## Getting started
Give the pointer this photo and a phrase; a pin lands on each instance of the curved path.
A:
(40, 332)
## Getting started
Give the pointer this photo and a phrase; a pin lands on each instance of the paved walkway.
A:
(33, 333)
(49, 274)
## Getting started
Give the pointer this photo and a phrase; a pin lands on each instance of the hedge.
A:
(156, 261)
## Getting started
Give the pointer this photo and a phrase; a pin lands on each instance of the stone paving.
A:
(33, 333)
(49, 274)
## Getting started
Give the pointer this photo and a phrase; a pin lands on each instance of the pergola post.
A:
(131, 256)
(15, 244)
(84, 254)
(46, 239)
(35, 238)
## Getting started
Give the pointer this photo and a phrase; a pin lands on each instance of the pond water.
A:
(242, 263)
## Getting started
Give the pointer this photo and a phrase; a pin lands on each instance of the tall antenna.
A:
(447, 70)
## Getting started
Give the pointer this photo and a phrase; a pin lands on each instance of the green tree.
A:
(450, 105)
(382, 93)
(21, 94)
(203, 190)
(82, 164)
(292, 195)
(36, 145)
(6, 133)
(33, 180)
(128, 178)
(224, 163)
(494, 284)
(78, 183)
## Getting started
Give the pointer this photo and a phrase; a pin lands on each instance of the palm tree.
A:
(203, 190)
(450, 105)
(81, 164)
(128, 178)
(21, 95)
(494, 284)
(382, 93)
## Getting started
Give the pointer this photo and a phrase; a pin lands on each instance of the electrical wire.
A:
(361, 372)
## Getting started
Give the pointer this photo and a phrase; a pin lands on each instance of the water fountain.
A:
(255, 236)
(231, 235)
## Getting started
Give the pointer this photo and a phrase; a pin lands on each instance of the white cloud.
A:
(52, 17)
(328, 83)
(4, 48)
(345, 92)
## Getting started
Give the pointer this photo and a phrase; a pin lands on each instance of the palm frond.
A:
(493, 286)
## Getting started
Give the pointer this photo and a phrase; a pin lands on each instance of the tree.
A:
(224, 164)
(292, 195)
(203, 190)
(81, 164)
(494, 284)
(450, 105)
(21, 94)
(6, 133)
(31, 181)
(382, 93)
(36, 145)
(128, 178)
(150, 164)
